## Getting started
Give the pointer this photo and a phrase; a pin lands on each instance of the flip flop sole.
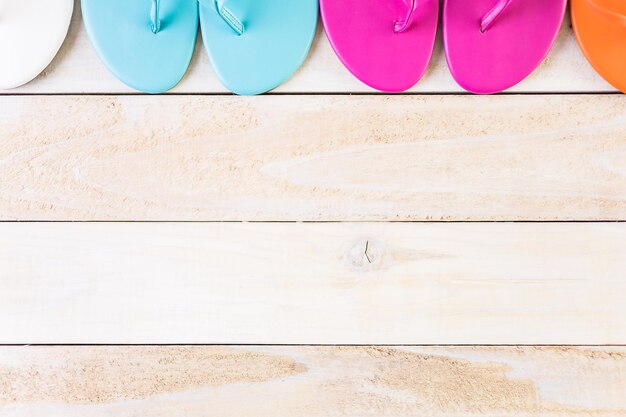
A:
(276, 41)
(603, 42)
(362, 34)
(31, 34)
(509, 51)
(120, 31)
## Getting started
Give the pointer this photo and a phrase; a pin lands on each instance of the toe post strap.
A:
(492, 15)
(403, 25)
(155, 21)
(226, 14)
(400, 26)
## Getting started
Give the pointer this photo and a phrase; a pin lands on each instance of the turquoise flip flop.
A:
(256, 45)
(147, 44)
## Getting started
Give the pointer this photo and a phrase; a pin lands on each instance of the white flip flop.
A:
(31, 34)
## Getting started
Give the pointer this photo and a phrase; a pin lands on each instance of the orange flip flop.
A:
(600, 27)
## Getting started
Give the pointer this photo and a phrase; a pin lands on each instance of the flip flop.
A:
(147, 44)
(491, 45)
(600, 27)
(256, 45)
(31, 34)
(387, 44)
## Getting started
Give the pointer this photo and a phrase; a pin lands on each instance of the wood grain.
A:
(313, 158)
(298, 158)
(77, 69)
(334, 283)
(313, 381)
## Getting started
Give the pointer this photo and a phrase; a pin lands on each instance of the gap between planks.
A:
(322, 94)
(318, 345)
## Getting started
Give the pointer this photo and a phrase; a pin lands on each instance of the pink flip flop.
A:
(491, 45)
(386, 44)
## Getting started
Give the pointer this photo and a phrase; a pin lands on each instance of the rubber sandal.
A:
(256, 45)
(31, 34)
(146, 44)
(491, 45)
(600, 27)
(387, 44)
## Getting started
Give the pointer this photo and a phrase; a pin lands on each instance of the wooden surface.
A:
(312, 381)
(291, 219)
(558, 157)
(360, 283)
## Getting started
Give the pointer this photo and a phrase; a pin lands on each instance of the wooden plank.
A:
(312, 283)
(77, 69)
(313, 158)
(313, 381)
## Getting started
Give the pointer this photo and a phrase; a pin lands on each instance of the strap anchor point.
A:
(400, 26)
(155, 24)
(227, 16)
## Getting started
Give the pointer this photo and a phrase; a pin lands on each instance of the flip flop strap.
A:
(155, 24)
(235, 24)
(603, 6)
(493, 14)
(400, 26)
